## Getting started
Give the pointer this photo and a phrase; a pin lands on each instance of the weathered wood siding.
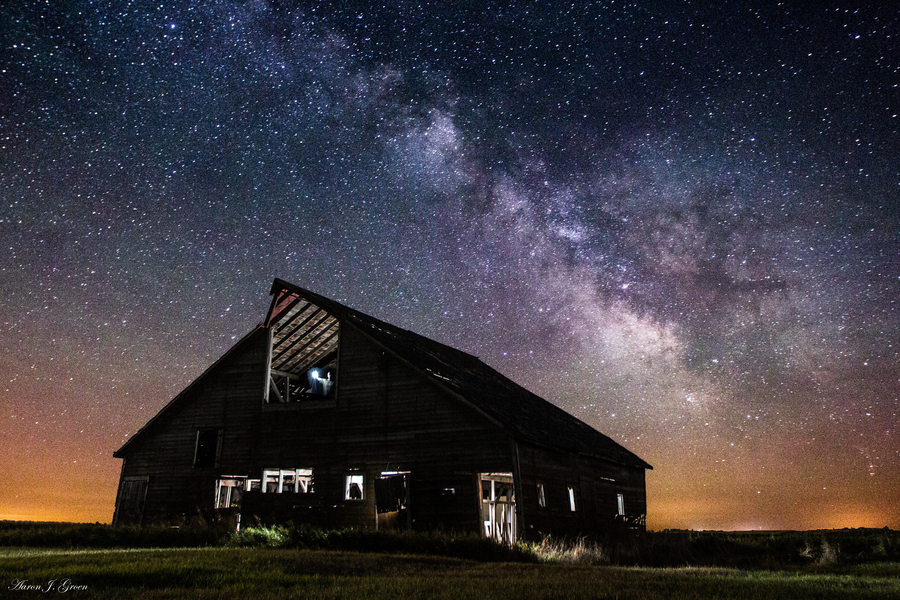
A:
(226, 397)
(384, 417)
(596, 484)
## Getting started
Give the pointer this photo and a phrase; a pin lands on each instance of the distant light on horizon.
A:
(690, 246)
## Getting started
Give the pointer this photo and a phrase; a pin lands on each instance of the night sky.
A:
(679, 223)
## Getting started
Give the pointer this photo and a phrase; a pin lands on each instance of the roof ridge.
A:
(525, 415)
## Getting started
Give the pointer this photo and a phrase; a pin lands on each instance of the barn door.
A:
(130, 501)
(498, 506)
(392, 501)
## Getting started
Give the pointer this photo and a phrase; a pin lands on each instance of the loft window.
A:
(303, 353)
(207, 448)
(620, 504)
(354, 487)
(287, 481)
(314, 383)
(541, 496)
(571, 491)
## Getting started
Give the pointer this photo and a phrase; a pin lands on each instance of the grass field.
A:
(93, 567)
(284, 573)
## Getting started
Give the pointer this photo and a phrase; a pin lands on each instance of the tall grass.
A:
(578, 551)
(87, 535)
(288, 573)
(292, 562)
(655, 549)
(466, 545)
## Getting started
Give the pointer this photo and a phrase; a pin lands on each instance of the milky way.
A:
(681, 224)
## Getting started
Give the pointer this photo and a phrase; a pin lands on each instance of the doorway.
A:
(130, 501)
(392, 501)
(498, 506)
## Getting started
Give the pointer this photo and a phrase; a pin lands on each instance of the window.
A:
(620, 504)
(316, 384)
(229, 491)
(286, 481)
(541, 496)
(207, 449)
(354, 488)
(571, 491)
(302, 354)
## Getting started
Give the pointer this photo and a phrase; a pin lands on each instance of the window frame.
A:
(350, 478)
(287, 481)
(235, 484)
(541, 495)
(210, 460)
(277, 395)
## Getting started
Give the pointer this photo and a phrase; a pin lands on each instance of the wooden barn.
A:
(325, 415)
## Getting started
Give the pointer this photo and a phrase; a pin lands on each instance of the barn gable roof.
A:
(524, 415)
(186, 392)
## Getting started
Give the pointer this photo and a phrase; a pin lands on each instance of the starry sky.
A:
(679, 223)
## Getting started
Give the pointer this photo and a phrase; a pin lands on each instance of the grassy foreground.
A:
(84, 561)
(281, 573)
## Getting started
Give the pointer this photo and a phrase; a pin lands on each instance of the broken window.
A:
(571, 491)
(541, 496)
(285, 481)
(317, 382)
(620, 504)
(229, 491)
(207, 448)
(354, 488)
(498, 506)
(303, 353)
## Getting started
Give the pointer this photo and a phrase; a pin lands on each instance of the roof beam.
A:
(281, 305)
(314, 345)
(297, 331)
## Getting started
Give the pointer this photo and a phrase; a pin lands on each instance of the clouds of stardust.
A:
(680, 225)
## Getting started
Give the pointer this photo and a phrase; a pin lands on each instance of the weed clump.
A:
(578, 551)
